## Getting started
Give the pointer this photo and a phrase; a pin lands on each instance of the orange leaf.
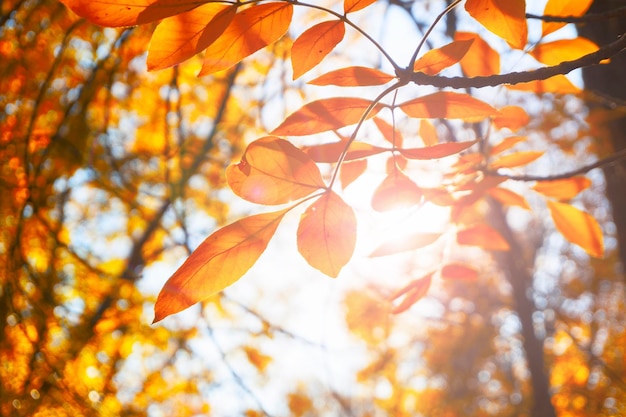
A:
(448, 105)
(218, 262)
(351, 170)
(326, 114)
(396, 191)
(508, 197)
(555, 52)
(330, 152)
(405, 244)
(563, 189)
(482, 236)
(314, 44)
(273, 171)
(506, 144)
(511, 117)
(180, 37)
(392, 135)
(505, 18)
(578, 227)
(327, 234)
(428, 133)
(562, 8)
(516, 159)
(116, 13)
(459, 272)
(481, 59)
(558, 84)
(350, 6)
(353, 77)
(440, 150)
(435, 60)
(249, 31)
(412, 293)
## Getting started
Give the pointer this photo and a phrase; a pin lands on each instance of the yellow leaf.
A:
(505, 18)
(481, 59)
(314, 44)
(515, 159)
(482, 236)
(562, 8)
(555, 52)
(256, 358)
(448, 105)
(563, 189)
(578, 227)
(249, 31)
(435, 60)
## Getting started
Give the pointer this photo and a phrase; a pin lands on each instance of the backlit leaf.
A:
(218, 262)
(330, 152)
(116, 13)
(353, 77)
(325, 114)
(508, 197)
(249, 31)
(327, 234)
(578, 227)
(448, 105)
(482, 236)
(481, 59)
(180, 37)
(505, 18)
(392, 135)
(314, 44)
(555, 52)
(456, 271)
(563, 189)
(440, 150)
(516, 159)
(506, 144)
(350, 6)
(435, 60)
(562, 8)
(396, 191)
(273, 171)
(405, 244)
(351, 170)
(511, 117)
(428, 133)
(412, 293)
(559, 84)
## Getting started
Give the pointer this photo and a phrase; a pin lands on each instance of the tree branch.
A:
(590, 17)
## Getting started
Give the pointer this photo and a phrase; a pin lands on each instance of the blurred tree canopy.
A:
(112, 175)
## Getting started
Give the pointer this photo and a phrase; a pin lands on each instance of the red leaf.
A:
(273, 171)
(327, 234)
(412, 293)
(448, 105)
(326, 114)
(249, 31)
(396, 191)
(457, 271)
(440, 150)
(483, 236)
(218, 262)
(353, 77)
(314, 44)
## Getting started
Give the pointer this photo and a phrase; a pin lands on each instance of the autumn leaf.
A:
(250, 30)
(558, 84)
(508, 197)
(312, 46)
(390, 134)
(428, 133)
(511, 117)
(448, 105)
(563, 189)
(483, 236)
(353, 77)
(411, 293)
(405, 244)
(481, 59)
(351, 170)
(273, 171)
(116, 13)
(218, 262)
(516, 159)
(180, 37)
(330, 152)
(562, 8)
(506, 144)
(435, 60)
(327, 234)
(457, 271)
(440, 150)
(505, 18)
(350, 6)
(555, 52)
(325, 114)
(578, 227)
(396, 191)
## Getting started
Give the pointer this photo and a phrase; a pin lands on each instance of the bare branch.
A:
(590, 17)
